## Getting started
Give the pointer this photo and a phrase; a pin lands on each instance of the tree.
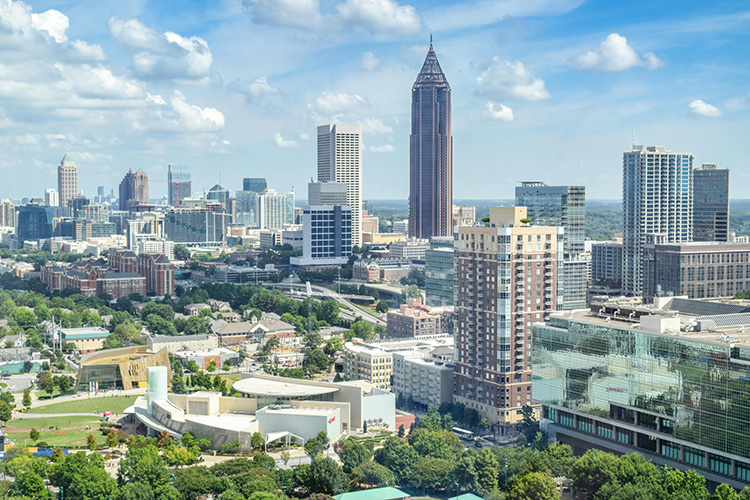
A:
(725, 492)
(91, 483)
(328, 476)
(181, 252)
(26, 401)
(362, 329)
(31, 485)
(465, 473)
(112, 441)
(6, 412)
(313, 447)
(398, 456)
(332, 346)
(211, 365)
(354, 453)
(382, 306)
(195, 481)
(533, 486)
(411, 292)
(143, 464)
(91, 442)
(432, 474)
(486, 465)
(329, 312)
(34, 434)
(136, 491)
(593, 470)
(176, 456)
(316, 361)
(430, 444)
(285, 456)
(257, 441)
(63, 383)
(371, 473)
(312, 340)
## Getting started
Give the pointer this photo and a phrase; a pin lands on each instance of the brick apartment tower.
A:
(507, 280)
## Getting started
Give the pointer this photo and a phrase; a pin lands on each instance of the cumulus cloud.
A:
(98, 82)
(284, 143)
(702, 108)
(386, 148)
(54, 22)
(332, 103)
(162, 56)
(498, 112)
(369, 61)
(375, 126)
(615, 54)
(373, 16)
(505, 78)
(176, 115)
(261, 87)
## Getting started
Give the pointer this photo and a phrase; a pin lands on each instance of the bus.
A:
(463, 433)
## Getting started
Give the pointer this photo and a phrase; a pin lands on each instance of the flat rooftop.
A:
(297, 411)
(113, 360)
(268, 387)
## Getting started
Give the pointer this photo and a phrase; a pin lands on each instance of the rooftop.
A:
(275, 387)
(385, 493)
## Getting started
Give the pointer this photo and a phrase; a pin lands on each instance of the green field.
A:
(116, 404)
(68, 438)
(231, 378)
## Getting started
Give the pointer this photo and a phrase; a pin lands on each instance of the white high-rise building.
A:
(67, 180)
(657, 198)
(275, 210)
(327, 193)
(51, 198)
(340, 160)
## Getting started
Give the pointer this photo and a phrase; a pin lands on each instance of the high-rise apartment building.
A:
(254, 184)
(657, 197)
(275, 210)
(67, 180)
(7, 213)
(710, 203)
(440, 272)
(507, 280)
(51, 197)
(327, 193)
(340, 160)
(134, 189)
(430, 153)
(179, 185)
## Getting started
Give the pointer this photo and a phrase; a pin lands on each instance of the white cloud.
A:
(195, 118)
(286, 12)
(333, 103)
(54, 22)
(381, 16)
(284, 143)
(175, 115)
(162, 56)
(614, 54)
(498, 112)
(505, 78)
(98, 82)
(375, 126)
(386, 148)
(704, 109)
(369, 61)
(261, 87)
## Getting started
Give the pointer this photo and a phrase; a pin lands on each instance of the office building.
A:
(375, 270)
(219, 194)
(370, 223)
(275, 210)
(182, 343)
(606, 263)
(179, 185)
(430, 153)
(440, 272)
(67, 180)
(34, 223)
(657, 198)
(100, 194)
(507, 280)
(326, 236)
(668, 381)
(51, 198)
(410, 249)
(195, 225)
(563, 206)
(464, 215)
(401, 226)
(710, 203)
(327, 193)
(7, 213)
(246, 208)
(254, 184)
(697, 270)
(134, 189)
(340, 160)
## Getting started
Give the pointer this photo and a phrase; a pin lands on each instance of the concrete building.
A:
(666, 381)
(327, 193)
(51, 197)
(426, 378)
(464, 215)
(179, 186)
(269, 238)
(244, 274)
(195, 226)
(606, 263)
(340, 160)
(507, 280)
(374, 270)
(440, 272)
(697, 270)
(275, 210)
(124, 368)
(134, 189)
(204, 357)
(710, 203)
(657, 197)
(414, 319)
(293, 236)
(411, 249)
(370, 223)
(67, 180)
(86, 340)
(182, 343)
(7, 213)
(327, 236)
(401, 226)
(430, 153)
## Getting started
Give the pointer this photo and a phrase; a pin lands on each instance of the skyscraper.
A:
(134, 188)
(507, 280)
(340, 160)
(51, 198)
(67, 179)
(430, 153)
(179, 185)
(7, 213)
(275, 209)
(326, 193)
(254, 184)
(219, 194)
(657, 198)
(710, 203)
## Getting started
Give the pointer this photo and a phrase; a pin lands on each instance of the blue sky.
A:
(542, 89)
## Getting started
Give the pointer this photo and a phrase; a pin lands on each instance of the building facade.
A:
(430, 153)
(67, 180)
(440, 272)
(275, 210)
(255, 184)
(7, 213)
(424, 378)
(410, 249)
(414, 319)
(327, 193)
(698, 270)
(134, 188)
(34, 223)
(327, 235)
(563, 206)
(606, 263)
(657, 197)
(340, 160)
(710, 203)
(179, 185)
(507, 280)
(195, 225)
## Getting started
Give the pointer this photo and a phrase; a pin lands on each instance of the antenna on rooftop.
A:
(635, 139)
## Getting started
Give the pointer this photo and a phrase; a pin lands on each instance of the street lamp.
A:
(506, 473)
(456, 484)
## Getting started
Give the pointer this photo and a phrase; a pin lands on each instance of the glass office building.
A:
(680, 399)
(710, 203)
(440, 272)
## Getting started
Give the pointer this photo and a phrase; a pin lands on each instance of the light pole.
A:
(506, 473)
(456, 483)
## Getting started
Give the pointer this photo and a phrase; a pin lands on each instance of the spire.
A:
(431, 71)
(66, 158)
(430, 41)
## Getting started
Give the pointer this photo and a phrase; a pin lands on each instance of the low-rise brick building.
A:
(414, 319)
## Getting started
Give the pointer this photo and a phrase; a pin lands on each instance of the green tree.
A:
(312, 340)
(112, 441)
(91, 442)
(411, 292)
(31, 485)
(313, 447)
(432, 474)
(63, 382)
(143, 464)
(316, 361)
(371, 474)
(6, 412)
(465, 473)
(256, 441)
(136, 491)
(430, 444)
(26, 401)
(382, 306)
(34, 434)
(486, 465)
(593, 470)
(332, 346)
(181, 252)
(328, 476)
(362, 329)
(354, 453)
(725, 492)
(397, 455)
(157, 325)
(533, 486)
(176, 456)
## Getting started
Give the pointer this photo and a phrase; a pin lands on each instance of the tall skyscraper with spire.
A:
(67, 180)
(430, 153)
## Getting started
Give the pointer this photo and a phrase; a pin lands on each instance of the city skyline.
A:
(132, 87)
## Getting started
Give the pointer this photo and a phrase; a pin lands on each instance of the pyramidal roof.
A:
(431, 71)
(66, 158)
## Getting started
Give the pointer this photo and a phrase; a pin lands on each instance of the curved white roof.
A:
(267, 387)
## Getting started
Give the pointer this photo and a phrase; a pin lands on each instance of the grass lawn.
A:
(369, 310)
(42, 394)
(115, 404)
(69, 438)
(232, 378)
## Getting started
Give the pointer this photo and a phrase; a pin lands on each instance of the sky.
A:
(549, 90)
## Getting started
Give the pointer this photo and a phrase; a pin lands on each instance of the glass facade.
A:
(683, 399)
(560, 206)
(440, 272)
(710, 203)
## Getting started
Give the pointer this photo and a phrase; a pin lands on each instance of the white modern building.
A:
(327, 193)
(327, 235)
(411, 249)
(340, 160)
(425, 377)
(275, 209)
(51, 197)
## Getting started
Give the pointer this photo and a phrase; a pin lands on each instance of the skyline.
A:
(239, 88)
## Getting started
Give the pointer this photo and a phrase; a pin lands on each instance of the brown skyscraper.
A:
(507, 280)
(67, 180)
(430, 153)
(133, 187)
